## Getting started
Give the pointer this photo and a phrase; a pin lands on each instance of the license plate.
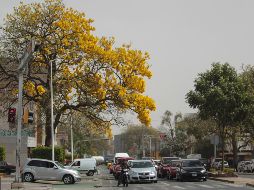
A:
(194, 174)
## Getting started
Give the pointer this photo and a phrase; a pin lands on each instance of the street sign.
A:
(214, 139)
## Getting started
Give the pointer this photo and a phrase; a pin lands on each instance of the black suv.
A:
(7, 168)
(190, 169)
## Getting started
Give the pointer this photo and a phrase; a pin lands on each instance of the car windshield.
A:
(142, 165)
(59, 164)
(192, 163)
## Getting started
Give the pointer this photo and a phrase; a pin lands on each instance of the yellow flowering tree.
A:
(90, 74)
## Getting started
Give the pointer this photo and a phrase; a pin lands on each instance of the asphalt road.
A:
(105, 181)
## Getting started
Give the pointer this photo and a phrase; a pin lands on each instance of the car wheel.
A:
(28, 177)
(68, 179)
(90, 173)
(204, 179)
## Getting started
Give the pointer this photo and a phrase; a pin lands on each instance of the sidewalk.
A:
(236, 180)
(6, 185)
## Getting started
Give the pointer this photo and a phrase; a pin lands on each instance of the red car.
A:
(171, 173)
(117, 167)
(164, 167)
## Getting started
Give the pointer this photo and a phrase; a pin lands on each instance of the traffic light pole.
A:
(23, 63)
(20, 113)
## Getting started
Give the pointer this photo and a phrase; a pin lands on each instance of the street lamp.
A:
(52, 113)
(150, 143)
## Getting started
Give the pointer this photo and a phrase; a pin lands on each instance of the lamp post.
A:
(150, 143)
(52, 113)
(71, 141)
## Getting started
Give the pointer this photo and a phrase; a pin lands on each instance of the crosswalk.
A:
(209, 185)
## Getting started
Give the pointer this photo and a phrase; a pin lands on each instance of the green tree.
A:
(220, 94)
(134, 139)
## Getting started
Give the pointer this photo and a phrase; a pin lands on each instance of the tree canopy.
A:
(220, 94)
(90, 74)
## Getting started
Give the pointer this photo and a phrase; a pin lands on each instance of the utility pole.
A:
(71, 141)
(52, 112)
(26, 57)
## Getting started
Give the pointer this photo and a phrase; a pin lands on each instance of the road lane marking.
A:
(205, 186)
(178, 187)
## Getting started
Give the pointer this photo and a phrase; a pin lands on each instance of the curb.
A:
(250, 184)
(222, 180)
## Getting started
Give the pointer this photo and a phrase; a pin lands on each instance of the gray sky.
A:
(183, 37)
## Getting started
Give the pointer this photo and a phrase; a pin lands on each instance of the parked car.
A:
(171, 173)
(245, 166)
(84, 166)
(215, 162)
(240, 166)
(190, 169)
(219, 164)
(142, 170)
(41, 169)
(164, 166)
(7, 168)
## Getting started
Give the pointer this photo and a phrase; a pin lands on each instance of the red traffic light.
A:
(11, 115)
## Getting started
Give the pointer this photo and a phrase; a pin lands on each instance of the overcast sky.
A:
(183, 37)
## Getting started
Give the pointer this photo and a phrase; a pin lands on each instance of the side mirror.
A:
(55, 167)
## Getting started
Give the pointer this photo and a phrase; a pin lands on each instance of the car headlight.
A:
(152, 173)
(183, 171)
(203, 171)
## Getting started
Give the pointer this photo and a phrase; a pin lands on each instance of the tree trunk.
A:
(222, 146)
(48, 128)
(234, 145)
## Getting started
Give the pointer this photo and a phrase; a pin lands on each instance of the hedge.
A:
(46, 153)
(2, 153)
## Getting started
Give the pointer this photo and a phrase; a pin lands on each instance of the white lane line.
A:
(178, 187)
(174, 186)
(206, 186)
(218, 186)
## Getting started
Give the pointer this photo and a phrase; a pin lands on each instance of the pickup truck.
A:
(7, 168)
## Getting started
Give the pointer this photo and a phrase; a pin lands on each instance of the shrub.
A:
(229, 170)
(2, 153)
(46, 153)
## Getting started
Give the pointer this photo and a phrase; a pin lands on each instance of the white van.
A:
(84, 166)
(121, 155)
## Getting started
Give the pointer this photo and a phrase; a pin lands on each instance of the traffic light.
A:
(30, 117)
(11, 115)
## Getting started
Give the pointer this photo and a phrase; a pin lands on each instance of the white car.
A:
(219, 164)
(84, 166)
(142, 170)
(41, 169)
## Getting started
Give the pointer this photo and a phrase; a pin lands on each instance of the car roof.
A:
(40, 159)
(189, 160)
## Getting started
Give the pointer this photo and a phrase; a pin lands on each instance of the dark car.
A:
(191, 169)
(6, 167)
